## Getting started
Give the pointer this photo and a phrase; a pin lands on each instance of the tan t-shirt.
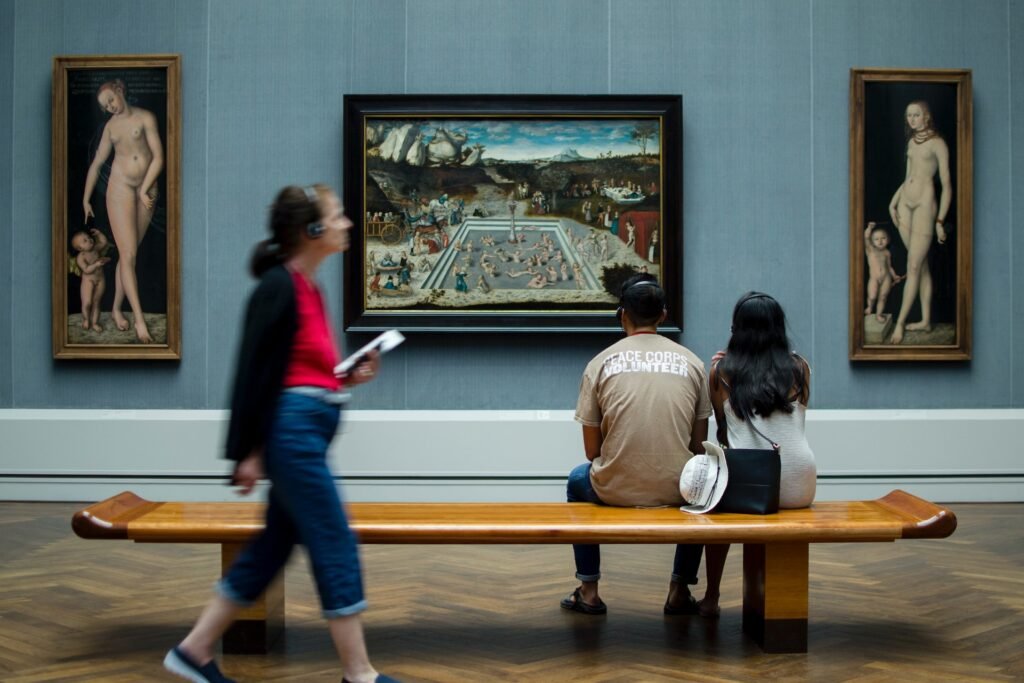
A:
(645, 392)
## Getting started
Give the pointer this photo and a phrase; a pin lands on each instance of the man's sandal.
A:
(575, 603)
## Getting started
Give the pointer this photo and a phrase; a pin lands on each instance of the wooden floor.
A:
(953, 609)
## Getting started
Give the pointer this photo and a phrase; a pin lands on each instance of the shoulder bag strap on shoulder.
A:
(775, 446)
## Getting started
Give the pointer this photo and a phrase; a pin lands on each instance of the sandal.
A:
(689, 607)
(575, 603)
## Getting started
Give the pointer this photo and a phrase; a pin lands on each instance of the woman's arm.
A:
(261, 363)
(102, 152)
(156, 166)
(894, 202)
(805, 370)
(946, 195)
(248, 472)
(718, 395)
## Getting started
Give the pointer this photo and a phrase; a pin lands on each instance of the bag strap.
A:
(750, 421)
(775, 446)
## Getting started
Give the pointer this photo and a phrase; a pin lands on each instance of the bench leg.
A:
(259, 625)
(775, 595)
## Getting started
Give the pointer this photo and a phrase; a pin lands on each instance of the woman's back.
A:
(799, 473)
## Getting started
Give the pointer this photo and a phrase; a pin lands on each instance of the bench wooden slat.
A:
(775, 547)
(896, 515)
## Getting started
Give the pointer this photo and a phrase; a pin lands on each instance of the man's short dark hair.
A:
(643, 299)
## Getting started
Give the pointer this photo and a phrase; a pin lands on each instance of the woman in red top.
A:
(284, 412)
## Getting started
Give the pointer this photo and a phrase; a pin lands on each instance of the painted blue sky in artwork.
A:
(512, 140)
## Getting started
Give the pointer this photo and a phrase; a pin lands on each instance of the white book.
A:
(384, 342)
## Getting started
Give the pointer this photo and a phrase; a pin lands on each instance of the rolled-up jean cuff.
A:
(224, 590)
(689, 580)
(345, 611)
(588, 577)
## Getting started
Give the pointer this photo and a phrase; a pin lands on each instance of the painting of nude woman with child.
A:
(116, 123)
(508, 212)
(910, 214)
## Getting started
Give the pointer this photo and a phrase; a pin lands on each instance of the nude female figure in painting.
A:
(132, 135)
(918, 215)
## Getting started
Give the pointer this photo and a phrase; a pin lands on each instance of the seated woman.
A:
(759, 384)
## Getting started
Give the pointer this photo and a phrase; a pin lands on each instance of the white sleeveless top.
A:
(799, 473)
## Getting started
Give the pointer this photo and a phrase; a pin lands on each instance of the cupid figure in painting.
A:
(917, 214)
(132, 135)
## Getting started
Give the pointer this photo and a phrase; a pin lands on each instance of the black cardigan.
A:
(271, 319)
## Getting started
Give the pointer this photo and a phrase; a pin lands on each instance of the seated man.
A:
(644, 406)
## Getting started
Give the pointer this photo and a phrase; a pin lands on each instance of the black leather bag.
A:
(754, 475)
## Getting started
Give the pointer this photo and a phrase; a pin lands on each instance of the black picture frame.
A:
(433, 182)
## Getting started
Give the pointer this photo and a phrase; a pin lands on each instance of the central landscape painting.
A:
(505, 219)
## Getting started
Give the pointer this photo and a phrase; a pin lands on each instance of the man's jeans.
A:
(579, 489)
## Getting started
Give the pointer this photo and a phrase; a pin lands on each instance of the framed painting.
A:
(509, 213)
(910, 214)
(116, 170)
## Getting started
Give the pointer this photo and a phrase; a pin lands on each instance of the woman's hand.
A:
(893, 204)
(87, 210)
(248, 472)
(147, 199)
(366, 370)
(940, 232)
(894, 215)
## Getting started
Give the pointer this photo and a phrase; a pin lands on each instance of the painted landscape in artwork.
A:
(506, 214)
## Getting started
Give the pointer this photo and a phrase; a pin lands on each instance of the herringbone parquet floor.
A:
(949, 610)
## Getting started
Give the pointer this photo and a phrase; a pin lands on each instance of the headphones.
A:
(315, 229)
(743, 301)
(622, 297)
(751, 297)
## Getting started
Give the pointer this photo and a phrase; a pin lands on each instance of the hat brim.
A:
(721, 481)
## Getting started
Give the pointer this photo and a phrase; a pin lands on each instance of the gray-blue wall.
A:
(6, 162)
(766, 115)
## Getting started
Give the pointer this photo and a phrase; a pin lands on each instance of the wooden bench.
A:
(775, 547)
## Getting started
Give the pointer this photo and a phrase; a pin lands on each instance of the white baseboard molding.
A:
(956, 490)
(86, 455)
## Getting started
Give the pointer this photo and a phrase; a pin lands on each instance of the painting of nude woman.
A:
(910, 215)
(116, 123)
(513, 212)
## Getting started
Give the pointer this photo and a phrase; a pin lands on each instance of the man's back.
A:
(645, 393)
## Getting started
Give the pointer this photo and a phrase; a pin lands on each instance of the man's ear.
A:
(623, 317)
(664, 314)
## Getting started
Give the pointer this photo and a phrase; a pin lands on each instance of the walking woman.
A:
(759, 385)
(285, 409)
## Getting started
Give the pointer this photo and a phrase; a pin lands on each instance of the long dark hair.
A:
(294, 208)
(759, 367)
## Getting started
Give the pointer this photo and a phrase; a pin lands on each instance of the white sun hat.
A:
(704, 478)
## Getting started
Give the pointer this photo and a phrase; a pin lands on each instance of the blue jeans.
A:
(304, 507)
(579, 489)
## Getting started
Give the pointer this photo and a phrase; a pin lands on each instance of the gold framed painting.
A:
(116, 223)
(910, 214)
